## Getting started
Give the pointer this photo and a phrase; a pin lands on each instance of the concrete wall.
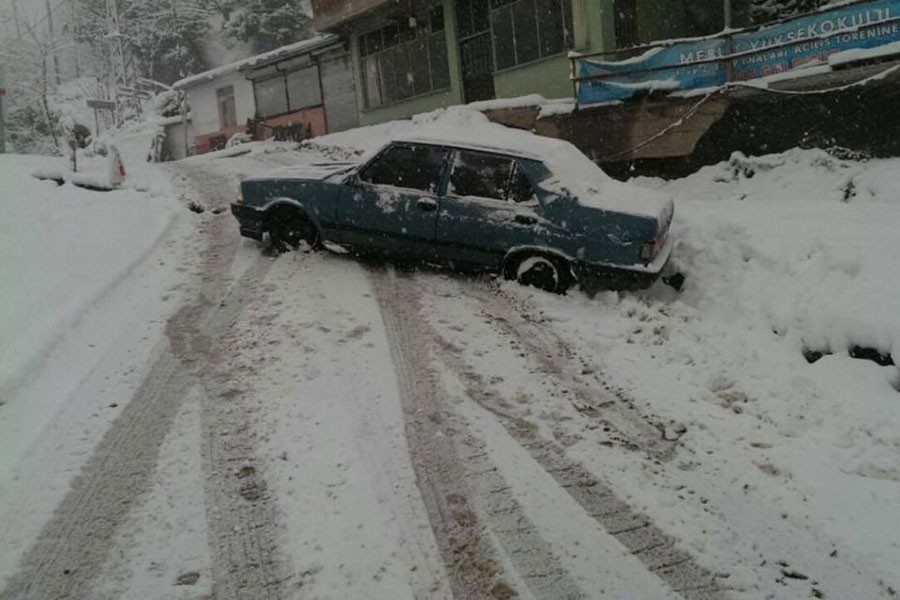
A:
(205, 108)
(338, 91)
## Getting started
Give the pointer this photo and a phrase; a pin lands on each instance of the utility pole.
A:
(2, 118)
(121, 77)
(53, 43)
(729, 19)
(15, 4)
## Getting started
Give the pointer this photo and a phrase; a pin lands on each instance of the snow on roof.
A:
(282, 52)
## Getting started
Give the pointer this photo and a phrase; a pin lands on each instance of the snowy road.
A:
(315, 426)
(303, 429)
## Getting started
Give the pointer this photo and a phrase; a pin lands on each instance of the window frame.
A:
(567, 24)
(283, 76)
(440, 183)
(506, 201)
(430, 27)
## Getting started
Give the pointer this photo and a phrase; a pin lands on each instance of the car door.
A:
(391, 203)
(489, 207)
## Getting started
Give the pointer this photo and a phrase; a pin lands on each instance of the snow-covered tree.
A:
(32, 126)
(267, 24)
(160, 39)
(166, 37)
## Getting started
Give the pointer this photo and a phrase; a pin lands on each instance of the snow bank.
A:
(799, 243)
(60, 249)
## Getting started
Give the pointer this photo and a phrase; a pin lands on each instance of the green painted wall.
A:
(548, 77)
(601, 26)
(407, 108)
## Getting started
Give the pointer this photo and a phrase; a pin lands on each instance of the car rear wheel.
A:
(541, 271)
(289, 226)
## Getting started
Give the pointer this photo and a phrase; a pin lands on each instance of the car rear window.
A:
(481, 174)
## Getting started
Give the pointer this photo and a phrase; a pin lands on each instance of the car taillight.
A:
(649, 251)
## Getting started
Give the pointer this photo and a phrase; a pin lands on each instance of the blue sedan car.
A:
(532, 208)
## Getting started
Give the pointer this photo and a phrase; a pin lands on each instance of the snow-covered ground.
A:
(795, 462)
(325, 417)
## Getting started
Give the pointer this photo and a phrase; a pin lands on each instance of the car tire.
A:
(542, 271)
(289, 226)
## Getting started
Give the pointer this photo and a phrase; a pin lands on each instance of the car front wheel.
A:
(288, 227)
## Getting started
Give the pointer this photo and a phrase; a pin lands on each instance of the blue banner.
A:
(776, 49)
(659, 69)
(812, 39)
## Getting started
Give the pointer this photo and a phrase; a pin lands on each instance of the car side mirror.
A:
(352, 179)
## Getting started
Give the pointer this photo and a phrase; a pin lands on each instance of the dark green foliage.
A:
(762, 11)
(267, 24)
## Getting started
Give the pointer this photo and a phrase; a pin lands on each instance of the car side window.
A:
(520, 190)
(416, 167)
(481, 174)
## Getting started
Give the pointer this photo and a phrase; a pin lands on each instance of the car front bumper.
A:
(250, 219)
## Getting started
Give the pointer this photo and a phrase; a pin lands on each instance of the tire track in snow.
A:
(68, 554)
(490, 548)
(242, 518)
(634, 530)
(72, 546)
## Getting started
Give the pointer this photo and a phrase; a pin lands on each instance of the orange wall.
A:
(313, 117)
(202, 143)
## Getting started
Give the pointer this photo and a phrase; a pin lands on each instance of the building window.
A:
(287, 92)
(400, 61)
(526, 30)
(303, 88)
(271, 96)
(227, 112)
(626, 23)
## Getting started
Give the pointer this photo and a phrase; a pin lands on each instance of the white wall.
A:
(205, 108)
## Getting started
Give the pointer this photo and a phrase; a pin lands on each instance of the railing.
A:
(737, 55)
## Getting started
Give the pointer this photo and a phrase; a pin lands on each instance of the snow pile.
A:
(800, 244)
(60, 249)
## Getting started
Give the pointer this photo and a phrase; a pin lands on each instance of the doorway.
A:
(476, 53)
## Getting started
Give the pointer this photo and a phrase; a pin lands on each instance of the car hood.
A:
(311, 172)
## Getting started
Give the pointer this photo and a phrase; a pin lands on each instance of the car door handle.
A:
(526, 219)
(427, 204)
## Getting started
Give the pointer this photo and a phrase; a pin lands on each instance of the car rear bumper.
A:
(250, 219)
(631, 277)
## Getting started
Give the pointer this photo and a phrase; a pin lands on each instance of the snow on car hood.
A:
(311, 172)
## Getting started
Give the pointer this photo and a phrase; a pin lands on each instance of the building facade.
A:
(297, 91)
(414, 56)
